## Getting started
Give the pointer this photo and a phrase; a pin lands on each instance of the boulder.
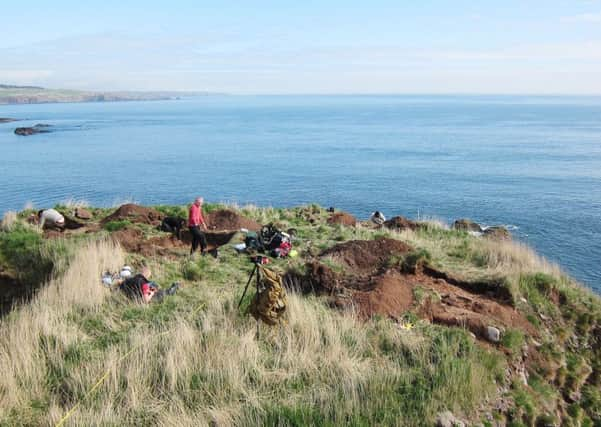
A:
(497, 233)
(493, 334)
(83, 213)
(32, 130)
(467, 225)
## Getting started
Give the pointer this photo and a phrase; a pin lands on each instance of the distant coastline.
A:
(14, 95)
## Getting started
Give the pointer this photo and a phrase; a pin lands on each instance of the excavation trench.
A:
(365, 277)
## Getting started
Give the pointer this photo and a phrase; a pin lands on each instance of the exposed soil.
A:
(365, 256)
(342, 218)
(223, 225)
(132, 240)
(135, 213)
(399, 223)
(227, 220)
(371, 283)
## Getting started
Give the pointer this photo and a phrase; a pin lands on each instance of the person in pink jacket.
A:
(195, 221)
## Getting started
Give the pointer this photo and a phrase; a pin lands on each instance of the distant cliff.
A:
(10, 94)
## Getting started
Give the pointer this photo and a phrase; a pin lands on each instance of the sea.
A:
(530, 163)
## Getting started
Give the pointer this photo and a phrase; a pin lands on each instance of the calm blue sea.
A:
(533, 163)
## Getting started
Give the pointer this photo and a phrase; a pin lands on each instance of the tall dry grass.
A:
(211, 369)
(480, 255)
(34, 335)
(8, 221)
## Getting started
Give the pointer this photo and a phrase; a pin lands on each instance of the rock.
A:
(467, 225)
(447, 419)
(497, 233)
(493, 334)
(7, 120)
(83, 213)
(39, 128)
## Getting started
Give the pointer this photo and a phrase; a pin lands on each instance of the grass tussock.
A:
(8, 221)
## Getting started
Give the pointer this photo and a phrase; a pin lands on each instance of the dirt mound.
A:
(135, 213)
(342, 218)
(391, 295)
(399, 223)
(228, 220)
(372, 281)
(366, 256)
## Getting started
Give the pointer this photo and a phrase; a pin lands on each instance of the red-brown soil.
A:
(342, 218)
(132, 240)
(228, 220)
(372, 284)
(366, 256)
(135, 213)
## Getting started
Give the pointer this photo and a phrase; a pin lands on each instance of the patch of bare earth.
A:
(223, 224)
(366, 278)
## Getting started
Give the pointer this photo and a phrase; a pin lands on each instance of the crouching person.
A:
(173, 224)
(140, 288)
(51, 219)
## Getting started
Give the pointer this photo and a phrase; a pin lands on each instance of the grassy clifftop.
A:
(39, 95)
(400, 339)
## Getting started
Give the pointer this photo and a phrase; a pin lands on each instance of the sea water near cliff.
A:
(533, 163)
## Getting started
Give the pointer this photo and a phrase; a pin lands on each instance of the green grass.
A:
(116, 225)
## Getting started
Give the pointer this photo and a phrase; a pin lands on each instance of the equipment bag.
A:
(269, 303)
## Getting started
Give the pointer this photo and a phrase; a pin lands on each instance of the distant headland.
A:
(12, 94)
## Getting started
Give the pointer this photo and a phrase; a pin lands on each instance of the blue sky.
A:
(546, 47)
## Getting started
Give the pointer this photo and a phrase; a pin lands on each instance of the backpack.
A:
(269, 303)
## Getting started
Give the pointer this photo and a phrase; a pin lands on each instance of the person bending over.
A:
(195, 221)
(51, 218)
(173, 224)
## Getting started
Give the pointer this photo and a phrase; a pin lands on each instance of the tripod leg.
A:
(247, 283)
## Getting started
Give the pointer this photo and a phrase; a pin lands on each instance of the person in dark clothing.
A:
(173, 224)
(139, 288)
(195, 221)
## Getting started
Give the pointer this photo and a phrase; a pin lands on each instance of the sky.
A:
(305, 47)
